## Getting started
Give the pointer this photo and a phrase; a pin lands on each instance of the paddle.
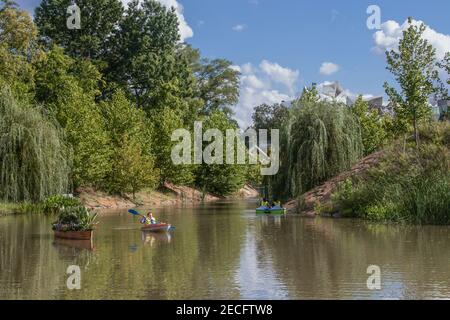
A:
(135, 213)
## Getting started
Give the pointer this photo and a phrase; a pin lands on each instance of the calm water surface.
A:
(224, 251)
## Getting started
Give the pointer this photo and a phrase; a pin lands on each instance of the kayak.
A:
(274, 210)
(157, 227)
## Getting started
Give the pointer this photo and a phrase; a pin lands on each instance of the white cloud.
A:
(280, 74)
(391, 32)
(328, 68)
(267, 83)
(184, 28)
(239, 27)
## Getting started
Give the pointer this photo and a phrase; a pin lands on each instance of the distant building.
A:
(439, 108)
(334, 92)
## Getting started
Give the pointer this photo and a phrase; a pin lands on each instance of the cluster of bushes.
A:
(409, 185)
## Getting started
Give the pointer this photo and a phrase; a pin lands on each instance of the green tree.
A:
(34, 158)
(64, 95)
(269, 116)
(373, 131)
(318, 141)
(165, 122)
(17, 49)
(133, 168)
(146, 58)
(310, 95)
(99, 18)
(218, 85)
(130, 135)
(445, 64)
(220, 179)
(414, 68)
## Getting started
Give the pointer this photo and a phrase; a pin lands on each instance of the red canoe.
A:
(157, 227)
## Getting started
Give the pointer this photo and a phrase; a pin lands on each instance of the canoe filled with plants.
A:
(75, 223)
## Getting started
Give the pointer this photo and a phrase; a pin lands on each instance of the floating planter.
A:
(75, 223)
(74, 235)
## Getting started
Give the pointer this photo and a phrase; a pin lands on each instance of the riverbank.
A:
(169, 195)
(307, 204)
(401, 184)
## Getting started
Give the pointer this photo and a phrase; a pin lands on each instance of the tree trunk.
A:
(416, 133)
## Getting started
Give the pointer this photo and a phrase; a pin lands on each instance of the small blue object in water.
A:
(133, 248)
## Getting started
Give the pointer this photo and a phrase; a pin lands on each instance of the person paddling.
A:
(150, 219)
(276, 203)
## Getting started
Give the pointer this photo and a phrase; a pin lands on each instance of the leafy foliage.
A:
(146, 58)
(99, 18)
(310, 95)
(56, 203)
(218, 85)
(373, 127)
(35, 161)
(17, 48)
(411, 186)
(67, 97)
(220, 179)
(115, 90)
(414, 68)
(270, 116)
(319, 141)
(165, 122)
(130, 136)
(75, 219)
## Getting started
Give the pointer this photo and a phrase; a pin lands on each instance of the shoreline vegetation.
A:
(405, 177)
(92, 114)
(170, 195)
(399, 184)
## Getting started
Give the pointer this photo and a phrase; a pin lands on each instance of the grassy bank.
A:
(409, 185)
(7, 208)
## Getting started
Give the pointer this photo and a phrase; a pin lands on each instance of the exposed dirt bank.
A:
(322, 194)
(170, 195)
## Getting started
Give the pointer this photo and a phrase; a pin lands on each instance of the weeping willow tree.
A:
(34, 160)
(319, 140)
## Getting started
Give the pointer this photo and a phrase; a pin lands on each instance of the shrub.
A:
(56, 203)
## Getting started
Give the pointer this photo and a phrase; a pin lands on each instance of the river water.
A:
(224, 251)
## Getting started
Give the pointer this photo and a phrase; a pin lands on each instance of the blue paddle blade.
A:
(134, 212)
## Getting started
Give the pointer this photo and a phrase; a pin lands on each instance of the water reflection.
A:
(224, 251)
(152, 238)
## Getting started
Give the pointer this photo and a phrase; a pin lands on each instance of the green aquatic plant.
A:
(34, 159)
(75, 219)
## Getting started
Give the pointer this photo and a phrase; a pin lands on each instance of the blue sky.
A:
(272, 39)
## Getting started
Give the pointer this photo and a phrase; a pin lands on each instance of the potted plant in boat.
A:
(75, 223)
